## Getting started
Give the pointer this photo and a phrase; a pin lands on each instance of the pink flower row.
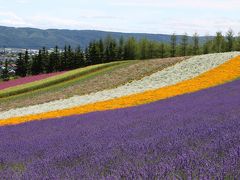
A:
(24, 80)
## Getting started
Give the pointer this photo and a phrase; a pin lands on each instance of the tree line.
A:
(110, 49)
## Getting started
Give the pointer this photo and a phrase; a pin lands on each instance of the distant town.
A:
(11, 55)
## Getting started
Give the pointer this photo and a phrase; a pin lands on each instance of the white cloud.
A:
(95, 14)
(46, 22)
(11, 19)
(191, 25)
(206, 4)
(128, 22)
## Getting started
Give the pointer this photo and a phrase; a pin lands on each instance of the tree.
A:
(143, 49)
(88, 62)
(70, 56)
(5, 72)
(130, 49)
(162, 50)
(79, 58)
(20, 65)
(44, 60)
(173, 44)
(63, 61)
(26, 62)
(110, 45)
(94, 53)
(120, 51)
(230, 40)
(195, 44)
(184, 45)
(101, 51)
(151, 50)
(219, 42)
(37, 63)
(237, 43)
(55, 60)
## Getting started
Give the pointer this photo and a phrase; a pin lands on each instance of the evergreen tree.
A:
(173, 45)
(219, 42)
(26, 62)
(101, 51)
(110, 49)
(162, 50)
(143, 49)
(52, 66)
(184, 44)
(151, 53)
(20, 65)
(34, 65)
(87, 56)
(195, 44)
(44, 60)
(5, 72)
(237, 43)
(93, 53)
(64, 57)
(130, 49)
(70, 56)
(230, 40)
(37, 64)
(56, 59)
(79, 58)
(120, 52)
(207, 47)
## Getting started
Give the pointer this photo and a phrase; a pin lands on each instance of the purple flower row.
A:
(194, 136)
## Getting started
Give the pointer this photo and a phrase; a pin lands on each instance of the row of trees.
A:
(5, 75)
(47, 62)
(109, 49)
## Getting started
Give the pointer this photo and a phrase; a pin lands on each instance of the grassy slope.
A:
(52, 81)
(107, 78)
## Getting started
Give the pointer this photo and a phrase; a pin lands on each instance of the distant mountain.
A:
(36, 38)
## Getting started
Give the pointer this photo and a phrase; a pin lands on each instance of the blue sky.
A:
(148, 16)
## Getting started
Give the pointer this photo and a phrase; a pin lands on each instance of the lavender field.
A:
(191, 136)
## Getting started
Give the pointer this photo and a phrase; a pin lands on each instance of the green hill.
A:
(36, 38)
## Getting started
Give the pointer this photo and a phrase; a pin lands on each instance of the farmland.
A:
(177, 120)
(174, 138)
(111, 77)
(120, 90)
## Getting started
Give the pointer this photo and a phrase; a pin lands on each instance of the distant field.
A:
(108, 78)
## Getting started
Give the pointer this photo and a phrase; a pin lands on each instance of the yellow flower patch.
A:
(228, 71)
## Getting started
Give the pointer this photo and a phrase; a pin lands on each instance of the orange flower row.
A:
(228, 71)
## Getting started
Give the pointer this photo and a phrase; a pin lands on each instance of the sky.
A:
(140, 16)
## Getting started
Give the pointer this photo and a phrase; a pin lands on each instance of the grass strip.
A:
(65, 84)
(56, 79)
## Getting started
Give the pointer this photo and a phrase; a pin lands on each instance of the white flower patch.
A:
(184, 70)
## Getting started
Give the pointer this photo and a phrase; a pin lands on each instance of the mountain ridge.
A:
(34, 38)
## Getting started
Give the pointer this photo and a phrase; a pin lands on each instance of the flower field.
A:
(176, 74)
(177, 137)
(24, 80)
(55, 80)
(179, 123)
